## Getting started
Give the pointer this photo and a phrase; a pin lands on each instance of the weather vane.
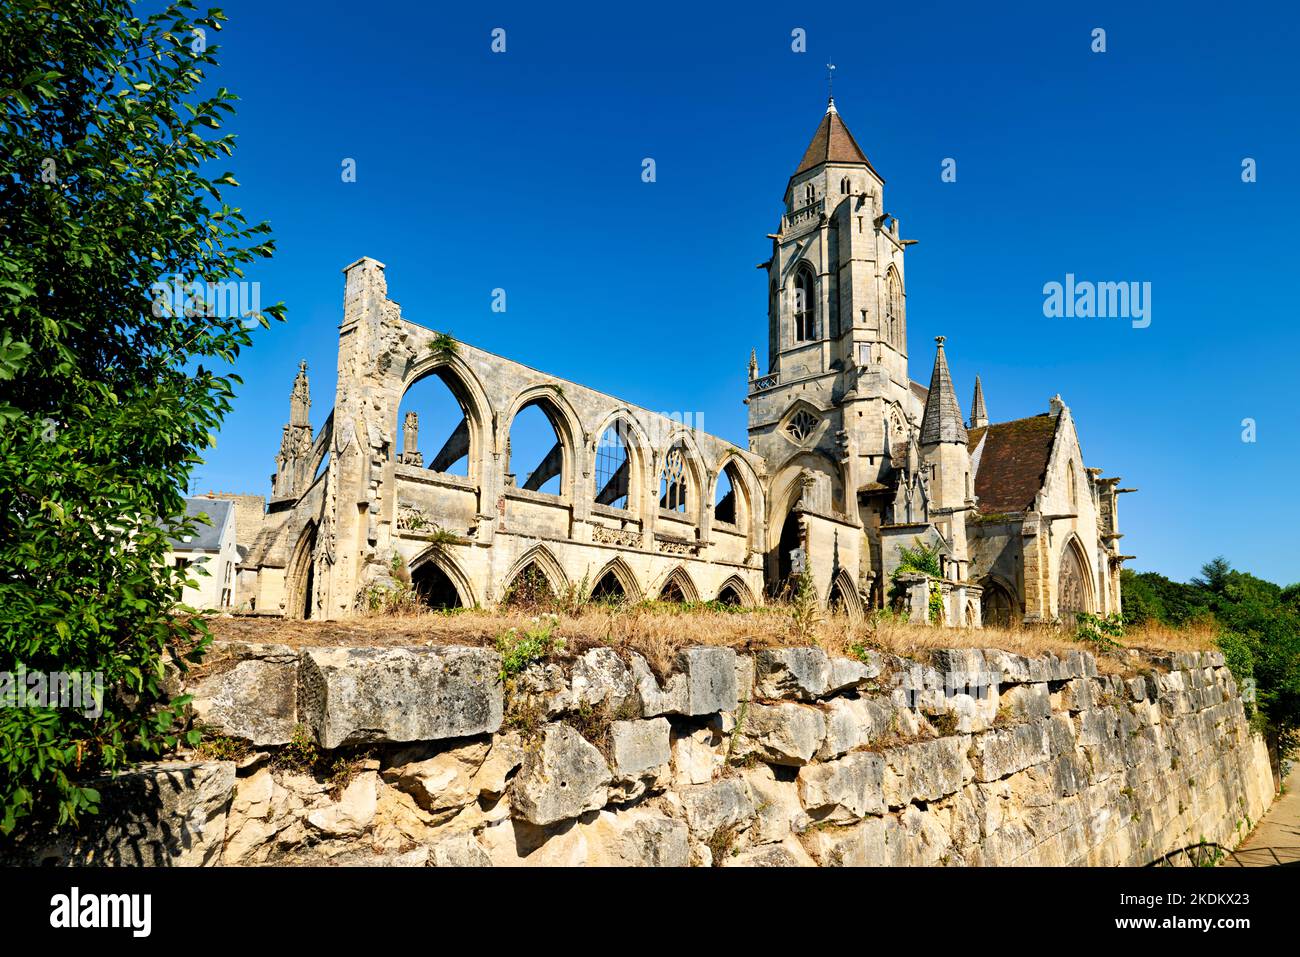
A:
(830, 80)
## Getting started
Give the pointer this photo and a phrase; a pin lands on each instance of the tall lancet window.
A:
(894, 310)
(805, 305)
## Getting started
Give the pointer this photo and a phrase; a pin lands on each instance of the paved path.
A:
(1276, 839)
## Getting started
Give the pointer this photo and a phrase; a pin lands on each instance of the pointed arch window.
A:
(845, 186)
(809, 193)
(894, 310)
(805, 305)
(613, 467)
(672, 481)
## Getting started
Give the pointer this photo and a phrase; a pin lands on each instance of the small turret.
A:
(979, 417)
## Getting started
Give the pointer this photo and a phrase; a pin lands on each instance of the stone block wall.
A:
(786, 756)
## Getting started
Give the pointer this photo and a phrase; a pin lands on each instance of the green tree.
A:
(108, 391)
(1260, 637)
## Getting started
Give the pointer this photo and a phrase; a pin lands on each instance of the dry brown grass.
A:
(658, 631)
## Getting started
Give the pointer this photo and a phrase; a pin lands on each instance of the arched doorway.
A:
(1072, 591)
(998, 607)
(609, 590)
(301, 585)
(790, 539)
(434, 587)
(529, 588)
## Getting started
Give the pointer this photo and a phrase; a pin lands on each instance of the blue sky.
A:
(522, 171)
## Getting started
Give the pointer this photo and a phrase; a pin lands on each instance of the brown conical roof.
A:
(832, 143)
(942, 420)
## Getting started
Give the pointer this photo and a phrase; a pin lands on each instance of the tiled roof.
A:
(1013, 462)
(833, 143)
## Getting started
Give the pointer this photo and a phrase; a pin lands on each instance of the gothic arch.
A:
(438, 556)
(745, 487)
(895, 318)
(1000, 603)
(564, 421)
(692, 461)
(1074, 587)
(846, 590)
(637, 445)
(785, 488)
(736, 585)
(803, 294)
(541, 557)
(680, 579)
(300, 575)
(465, 387)
(623, 574)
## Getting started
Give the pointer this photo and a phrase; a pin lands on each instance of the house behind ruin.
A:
(849, 460)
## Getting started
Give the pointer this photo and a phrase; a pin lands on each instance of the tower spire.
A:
(942, 421)
(979, 417)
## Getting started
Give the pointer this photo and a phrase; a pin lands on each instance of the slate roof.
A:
(206, 538)
(942, 421)
(1013, 462)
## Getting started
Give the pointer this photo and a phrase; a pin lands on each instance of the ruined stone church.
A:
(849, 461)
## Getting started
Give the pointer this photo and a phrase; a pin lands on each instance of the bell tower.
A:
(837, 318)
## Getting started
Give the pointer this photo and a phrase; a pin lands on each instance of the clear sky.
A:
(522, 170)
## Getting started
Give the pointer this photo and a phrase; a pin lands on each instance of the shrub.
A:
(110, 388)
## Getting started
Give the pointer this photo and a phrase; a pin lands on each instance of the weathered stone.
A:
(800, 673)
(443, 781)
(564, 777)
(844, 790)
(779, 814)
(852, 723)
(925, 771)
(506, 753)
(697, 755)
(1027, 702)
(544, 686)
(248, 690)
(848, 674)
(1004, 751)
(858, 845)
(170, 814)
(636, 838)
(710, 679)
(353, 813)
(722, 804)
(641, 753)
(364, 695)
(656, 700)
(915, 838)
(788, 853)
(783, 733)
(745, 677)
(601, 678)
(460, 850)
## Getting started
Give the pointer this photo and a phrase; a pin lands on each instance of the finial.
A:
(830, 88)
(302, 366)
(939, 340)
